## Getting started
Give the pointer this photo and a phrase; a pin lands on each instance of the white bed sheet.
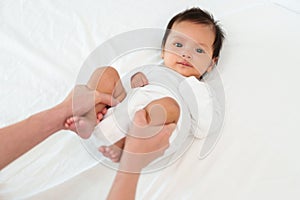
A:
(44, 43)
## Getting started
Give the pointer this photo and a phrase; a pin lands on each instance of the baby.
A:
(191, 47)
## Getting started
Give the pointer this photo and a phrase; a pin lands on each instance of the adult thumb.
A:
(105, 99)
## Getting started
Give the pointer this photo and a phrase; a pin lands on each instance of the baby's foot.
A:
(114, 151)
(83, 126)
(100, 114)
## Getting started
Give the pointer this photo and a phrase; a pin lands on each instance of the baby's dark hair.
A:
(198, 16)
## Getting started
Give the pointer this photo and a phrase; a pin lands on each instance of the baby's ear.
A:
(162, 54)
(213, 64)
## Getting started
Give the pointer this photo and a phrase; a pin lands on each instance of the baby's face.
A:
(189, 48)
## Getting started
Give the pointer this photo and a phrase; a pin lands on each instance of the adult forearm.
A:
(124, 186)
(18, 138)
(137, 154)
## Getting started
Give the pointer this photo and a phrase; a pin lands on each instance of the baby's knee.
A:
(111, 71)
(172, 103)
(108, 72)
(162, 111)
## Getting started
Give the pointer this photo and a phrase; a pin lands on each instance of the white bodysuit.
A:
(195, 112)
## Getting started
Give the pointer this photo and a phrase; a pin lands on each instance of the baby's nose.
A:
(186, 55)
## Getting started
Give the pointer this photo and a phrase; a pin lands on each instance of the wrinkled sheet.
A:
(44, 43)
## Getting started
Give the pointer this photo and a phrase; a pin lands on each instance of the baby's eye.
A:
(177, 44)
(200, 50)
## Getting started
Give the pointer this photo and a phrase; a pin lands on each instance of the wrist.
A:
(124, 186)
(64, 109)
(56, 116)
(131, 163)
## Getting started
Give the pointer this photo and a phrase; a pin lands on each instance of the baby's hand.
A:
(139, 80)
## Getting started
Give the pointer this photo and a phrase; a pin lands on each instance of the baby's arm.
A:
(138, 80)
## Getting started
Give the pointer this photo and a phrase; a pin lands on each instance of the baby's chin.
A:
(187, 71)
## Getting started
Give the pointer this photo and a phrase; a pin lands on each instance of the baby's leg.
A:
(105, 80)
(158, 112)
(162, 111)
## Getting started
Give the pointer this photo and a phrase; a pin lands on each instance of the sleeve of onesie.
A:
(200, 105)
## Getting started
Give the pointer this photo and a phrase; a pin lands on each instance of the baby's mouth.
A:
(185, 63)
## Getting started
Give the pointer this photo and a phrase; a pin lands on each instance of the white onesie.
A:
(163, 82)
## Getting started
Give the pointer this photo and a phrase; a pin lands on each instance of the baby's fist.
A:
(139, 80)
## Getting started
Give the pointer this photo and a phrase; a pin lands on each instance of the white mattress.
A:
(44, 43)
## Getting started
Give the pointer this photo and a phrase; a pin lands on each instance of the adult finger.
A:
(105, 99)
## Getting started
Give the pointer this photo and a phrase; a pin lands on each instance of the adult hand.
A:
(138, 153)
(142, 145)
(82, 99)
(18, 138)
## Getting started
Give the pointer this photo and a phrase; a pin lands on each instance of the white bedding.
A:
(44, 43)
